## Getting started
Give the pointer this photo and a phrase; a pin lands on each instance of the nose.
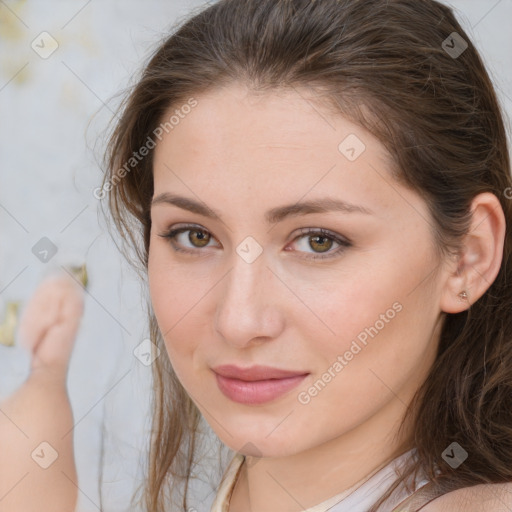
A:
(248, 311)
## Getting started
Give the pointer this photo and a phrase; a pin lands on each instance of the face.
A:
(344, 299)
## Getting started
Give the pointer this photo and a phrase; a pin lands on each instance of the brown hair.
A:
(438, 116)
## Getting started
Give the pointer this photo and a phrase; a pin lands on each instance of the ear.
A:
(478, 264)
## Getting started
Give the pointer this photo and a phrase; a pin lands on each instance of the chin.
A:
(259, 444)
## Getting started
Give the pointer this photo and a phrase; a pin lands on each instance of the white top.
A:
(357, 498)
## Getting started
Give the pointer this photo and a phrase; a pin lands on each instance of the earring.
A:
(463, 295)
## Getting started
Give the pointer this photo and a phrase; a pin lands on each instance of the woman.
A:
(261, 135)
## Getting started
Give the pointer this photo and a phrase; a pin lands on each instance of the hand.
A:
(49, 323)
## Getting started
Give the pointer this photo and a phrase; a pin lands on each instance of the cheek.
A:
(376, 316)
(176, 301)
(183, 300)
(369, 361)
(344, 303)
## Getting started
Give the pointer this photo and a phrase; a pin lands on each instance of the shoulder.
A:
(488, 497)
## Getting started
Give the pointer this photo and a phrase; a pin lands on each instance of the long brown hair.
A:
(395, 68)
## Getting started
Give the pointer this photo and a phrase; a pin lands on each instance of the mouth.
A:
(257, 384)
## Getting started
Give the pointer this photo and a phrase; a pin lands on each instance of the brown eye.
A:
(198, 238)
(320, 243)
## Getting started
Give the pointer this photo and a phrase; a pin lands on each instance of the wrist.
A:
(49, 374)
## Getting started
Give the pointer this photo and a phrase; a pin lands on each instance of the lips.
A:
(256, 384)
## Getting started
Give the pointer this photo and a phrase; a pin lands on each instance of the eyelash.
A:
(344, 243)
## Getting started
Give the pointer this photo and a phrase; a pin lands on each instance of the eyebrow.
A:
(274, 215)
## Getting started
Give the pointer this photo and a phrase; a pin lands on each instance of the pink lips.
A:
(257, 384)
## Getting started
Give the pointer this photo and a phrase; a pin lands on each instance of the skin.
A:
(40, 411)
(241, 155)
(488, 497)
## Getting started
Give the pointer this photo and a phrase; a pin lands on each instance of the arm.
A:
(34, 476)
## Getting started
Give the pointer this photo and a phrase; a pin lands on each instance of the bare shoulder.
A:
(488, 497)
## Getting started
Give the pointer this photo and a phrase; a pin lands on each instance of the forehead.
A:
(235, 143)
(290, 120)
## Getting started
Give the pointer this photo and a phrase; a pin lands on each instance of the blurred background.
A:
(62, 67)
